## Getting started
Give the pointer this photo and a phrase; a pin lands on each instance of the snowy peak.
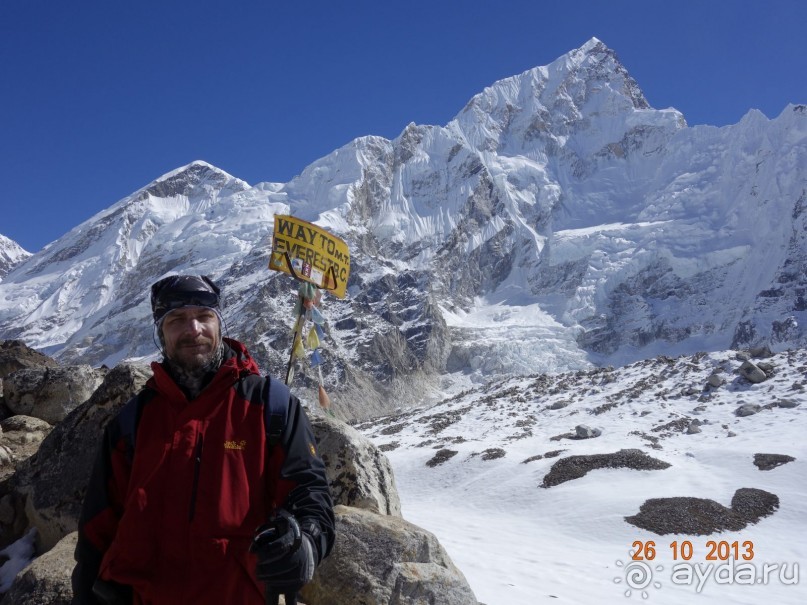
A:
(195, 180)
(11, 254)
(595, 61)
(585, 89)
(197, 214)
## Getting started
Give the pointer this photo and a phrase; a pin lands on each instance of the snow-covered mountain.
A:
(556, 202)
(11, 254)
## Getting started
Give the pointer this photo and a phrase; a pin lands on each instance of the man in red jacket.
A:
(206, 455)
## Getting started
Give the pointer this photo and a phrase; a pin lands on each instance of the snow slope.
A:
(519, 543)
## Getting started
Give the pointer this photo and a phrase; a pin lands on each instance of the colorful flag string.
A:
(309, 297)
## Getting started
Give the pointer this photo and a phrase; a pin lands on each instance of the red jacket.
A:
(180, 487)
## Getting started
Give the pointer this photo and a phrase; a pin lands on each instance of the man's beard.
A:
(193, 371)
(196, 355)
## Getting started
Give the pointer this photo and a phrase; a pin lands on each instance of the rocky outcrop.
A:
(752, 373)
(359, 474)
(50, 393)
(51, 483)
(20, 438)
(15, 355)
(385, 559)
(46, 581)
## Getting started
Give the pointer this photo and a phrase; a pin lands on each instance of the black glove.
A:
(285, 554)
(112, 593)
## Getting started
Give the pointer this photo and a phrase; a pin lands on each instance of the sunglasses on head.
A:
(177, 291)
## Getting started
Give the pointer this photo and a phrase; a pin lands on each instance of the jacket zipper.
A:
(197, 465)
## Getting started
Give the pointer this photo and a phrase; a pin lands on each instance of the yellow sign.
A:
(311, 254)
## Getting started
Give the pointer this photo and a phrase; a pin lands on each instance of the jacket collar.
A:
(236, 362)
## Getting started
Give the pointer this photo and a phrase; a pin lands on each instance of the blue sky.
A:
(99, 97)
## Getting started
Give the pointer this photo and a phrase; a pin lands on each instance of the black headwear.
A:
(177, 291)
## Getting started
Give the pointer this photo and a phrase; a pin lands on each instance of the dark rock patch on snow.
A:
(440, 457)
(700, 516)
(575, 467)
(752, 504)
(493, 453)
(766, 462)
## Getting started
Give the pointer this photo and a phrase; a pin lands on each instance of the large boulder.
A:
(20, 438)
(52, 483)
(752, 373)
(50, 393)
(46, 581)
(359, 474)
(385, 559)
(14, 355)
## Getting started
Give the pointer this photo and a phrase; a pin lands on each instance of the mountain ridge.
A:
(11, 255)
(557, 221)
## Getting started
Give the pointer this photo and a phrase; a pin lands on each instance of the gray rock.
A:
(558, 405)
(715, 380)
(20, 437)
(747, 409)
(768, 368)
(359, 474)
(53, 481)
(693, 429)
(574, 467)
(586, 432)
(760, 352)
(15, 355)
(787, 403)
(46, 581)
(385, 559)
(752, 373)
(50, 393)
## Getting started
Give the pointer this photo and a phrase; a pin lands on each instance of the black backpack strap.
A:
(129, 419)
(275, 409)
